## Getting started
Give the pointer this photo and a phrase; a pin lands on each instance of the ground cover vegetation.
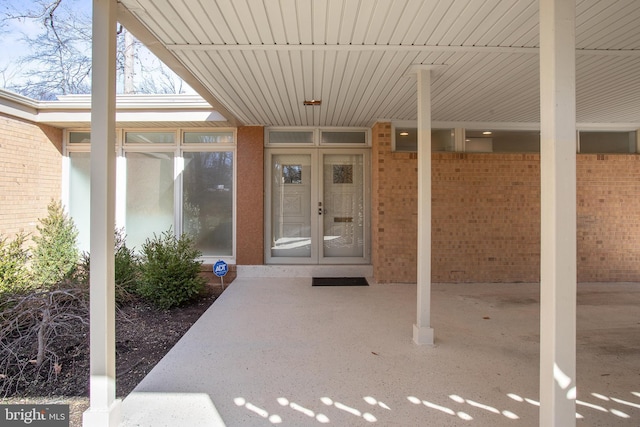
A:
(44, 308)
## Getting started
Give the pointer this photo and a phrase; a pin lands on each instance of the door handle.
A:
(322, 211)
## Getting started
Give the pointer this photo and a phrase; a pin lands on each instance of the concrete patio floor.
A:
(277, 351)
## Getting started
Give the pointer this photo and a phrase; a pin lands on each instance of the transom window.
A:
(335, 137)
(405, 139)
(607, 142)
(149, 137)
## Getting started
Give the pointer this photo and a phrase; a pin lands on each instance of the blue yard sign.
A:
(220, 268)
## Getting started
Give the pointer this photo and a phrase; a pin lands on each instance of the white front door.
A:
(317, 207)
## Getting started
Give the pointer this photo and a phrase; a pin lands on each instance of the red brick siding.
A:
(30, 173)
(486, 216)
(608, 209)
(250, 200)
(394, 210)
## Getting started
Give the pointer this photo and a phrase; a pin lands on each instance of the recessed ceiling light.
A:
(404, 133)
(487, 132)
(312, 102)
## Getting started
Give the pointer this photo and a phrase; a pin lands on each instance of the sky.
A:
(12, 47)
(12, 32)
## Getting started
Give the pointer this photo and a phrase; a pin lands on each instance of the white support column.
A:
(558, 273)
(104, 409)
(422, 331)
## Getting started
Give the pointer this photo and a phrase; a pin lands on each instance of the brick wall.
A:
(394, 206)
(250, 203)
(608, 198)
(30, 173)
(486, 216)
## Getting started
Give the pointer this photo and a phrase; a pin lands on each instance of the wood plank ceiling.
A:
(262, 59)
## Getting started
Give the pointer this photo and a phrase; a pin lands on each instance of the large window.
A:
(178, 179)
(80, 192)
(207, 200)
(150, 196)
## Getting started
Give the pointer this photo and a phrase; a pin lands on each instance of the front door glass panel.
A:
(343, 205)
(291, 205)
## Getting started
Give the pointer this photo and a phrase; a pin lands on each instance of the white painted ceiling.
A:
(257, 61)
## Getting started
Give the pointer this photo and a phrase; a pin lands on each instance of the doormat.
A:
(339, 281)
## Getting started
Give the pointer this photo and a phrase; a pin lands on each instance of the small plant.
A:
(14, 275)
(55, 256)
(169, 271)
(126, 269)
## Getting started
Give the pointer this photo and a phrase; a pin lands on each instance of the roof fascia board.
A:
(18, 106)
(131, 108)
(132, 24)
(133, 102)
(132, 116)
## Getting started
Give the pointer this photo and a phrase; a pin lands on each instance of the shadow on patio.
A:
(281, 352)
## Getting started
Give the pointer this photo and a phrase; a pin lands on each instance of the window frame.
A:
(177, 148)
(632, 148)
(317, 137)
(414, 125)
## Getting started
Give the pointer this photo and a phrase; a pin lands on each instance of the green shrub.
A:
(14, 275)
(56, 255)
(169, 271)
(126, 269)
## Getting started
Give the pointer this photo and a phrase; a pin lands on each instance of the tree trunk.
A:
(42, 344)
(129, 56)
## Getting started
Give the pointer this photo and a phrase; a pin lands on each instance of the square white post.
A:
(422, 331)
(558, 274)
(104, 409)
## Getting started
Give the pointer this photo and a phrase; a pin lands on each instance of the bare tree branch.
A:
(33, 329)
(59, 62)
(50, 20)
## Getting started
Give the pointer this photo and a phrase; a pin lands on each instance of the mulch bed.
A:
(144, 335)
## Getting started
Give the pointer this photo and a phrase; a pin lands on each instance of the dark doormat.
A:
(339, 281)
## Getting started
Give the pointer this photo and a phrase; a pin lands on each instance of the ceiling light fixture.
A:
(404, 133)
(312, 102)
(487, 132)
